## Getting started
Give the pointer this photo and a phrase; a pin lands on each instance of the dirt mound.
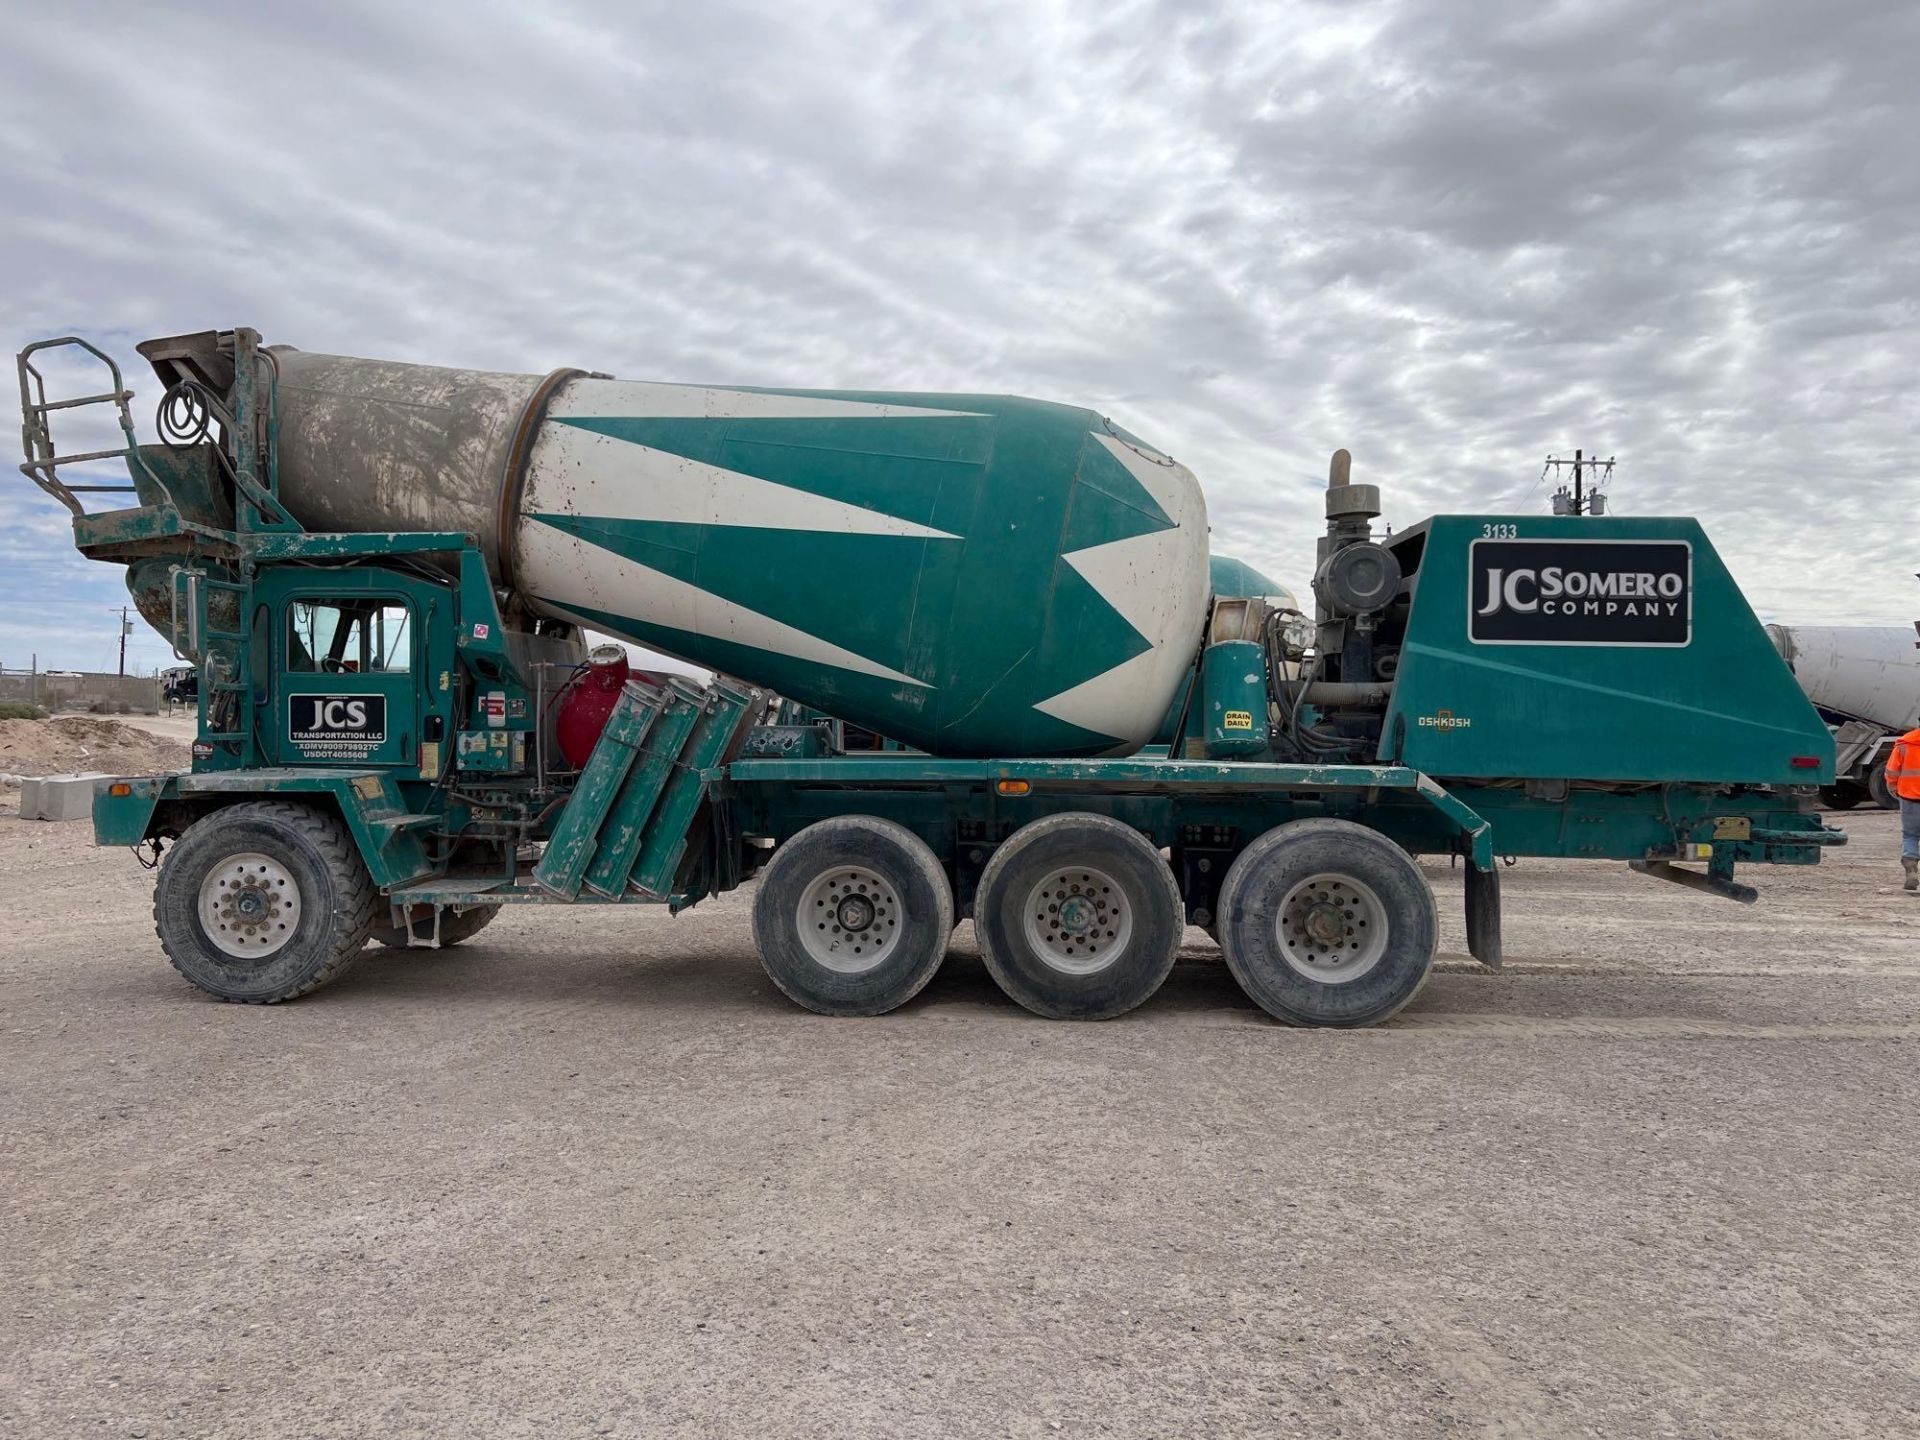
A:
(78, 743)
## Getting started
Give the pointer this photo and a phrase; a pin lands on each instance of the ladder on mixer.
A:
(43, 458)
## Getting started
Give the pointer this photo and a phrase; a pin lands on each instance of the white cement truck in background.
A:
(1865, 682)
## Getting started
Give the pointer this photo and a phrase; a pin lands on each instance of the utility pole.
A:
(126, 629)
(1579, 502)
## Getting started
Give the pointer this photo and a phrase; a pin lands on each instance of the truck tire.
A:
(1325, 922)
(1882, 792)
(1841, 795)
(852, 916)
(263, 902)
(453, 928)
(1079, 917)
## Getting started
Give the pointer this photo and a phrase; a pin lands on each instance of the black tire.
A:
(1340, 885)
(299, 851)
(453, 928)
(870, 888)
(1055, 966)
(1882, 792)
(1841, 795)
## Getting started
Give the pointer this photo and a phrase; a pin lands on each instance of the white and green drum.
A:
(970, 574)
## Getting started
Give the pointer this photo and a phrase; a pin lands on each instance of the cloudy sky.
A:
(1452, 237)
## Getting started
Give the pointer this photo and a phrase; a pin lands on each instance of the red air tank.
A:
(587, 702)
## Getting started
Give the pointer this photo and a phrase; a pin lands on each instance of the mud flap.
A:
(1483, 916)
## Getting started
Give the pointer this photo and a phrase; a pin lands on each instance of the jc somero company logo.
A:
(1580, 592)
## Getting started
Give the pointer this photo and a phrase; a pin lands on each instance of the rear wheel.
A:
(1882, 792)
(453, 928)
(1325, 922)
(1841, 795)
(264, 902)
(852, 916)
(1079, 917)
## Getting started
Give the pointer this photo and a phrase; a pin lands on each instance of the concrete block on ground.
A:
(59, 797)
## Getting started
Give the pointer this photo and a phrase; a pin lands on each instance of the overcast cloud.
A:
(1451, 237)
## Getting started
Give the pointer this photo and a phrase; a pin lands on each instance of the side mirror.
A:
(191, 651)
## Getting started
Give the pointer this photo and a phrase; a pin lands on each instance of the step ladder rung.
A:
(52, 461)
(112, 397)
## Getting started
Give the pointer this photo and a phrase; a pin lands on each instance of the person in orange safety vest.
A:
(1903, 779)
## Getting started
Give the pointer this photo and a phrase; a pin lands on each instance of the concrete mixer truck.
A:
(1865, 682)
(384, 575)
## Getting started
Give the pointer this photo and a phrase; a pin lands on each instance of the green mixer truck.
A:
(383, 574)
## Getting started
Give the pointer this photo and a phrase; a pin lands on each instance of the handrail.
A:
(43, 459)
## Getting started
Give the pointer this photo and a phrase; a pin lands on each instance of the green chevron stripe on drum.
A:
(1027, 514)
(847, 692)
(1108, 503)
(799, 577)
(987, 683)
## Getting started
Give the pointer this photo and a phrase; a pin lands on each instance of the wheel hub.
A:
(249, 905)
(1078, 920)
(855, 912)
(1332, 928)
(1325, 924)
(1078, 915)
(849, 919)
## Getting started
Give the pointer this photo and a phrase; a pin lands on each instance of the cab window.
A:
(349, 637)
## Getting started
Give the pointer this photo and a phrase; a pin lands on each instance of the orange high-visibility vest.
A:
(1903, 766)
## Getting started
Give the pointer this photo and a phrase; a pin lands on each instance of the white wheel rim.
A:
(249, 906)
(1078, 920)
(849, 920)
(1332, 928)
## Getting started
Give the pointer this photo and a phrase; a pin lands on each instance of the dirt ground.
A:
(74, 744)
(182, 724)
(592, 1175)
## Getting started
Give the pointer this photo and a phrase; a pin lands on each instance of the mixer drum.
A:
(969, 574)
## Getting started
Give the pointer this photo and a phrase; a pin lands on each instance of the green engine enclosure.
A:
(1720, 708)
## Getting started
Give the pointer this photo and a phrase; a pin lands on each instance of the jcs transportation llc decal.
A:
(337, 727)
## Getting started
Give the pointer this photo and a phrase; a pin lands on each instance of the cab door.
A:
(348, 678)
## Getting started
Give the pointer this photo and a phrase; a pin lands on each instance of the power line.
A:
(126, 629)
(1579, 502)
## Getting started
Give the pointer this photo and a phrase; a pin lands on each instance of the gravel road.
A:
(592, 1175)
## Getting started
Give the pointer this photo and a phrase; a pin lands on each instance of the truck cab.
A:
(358, 671)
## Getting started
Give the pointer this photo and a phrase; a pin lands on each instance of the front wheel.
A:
(264, 902)
(1079, 917)
(1325, 922)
